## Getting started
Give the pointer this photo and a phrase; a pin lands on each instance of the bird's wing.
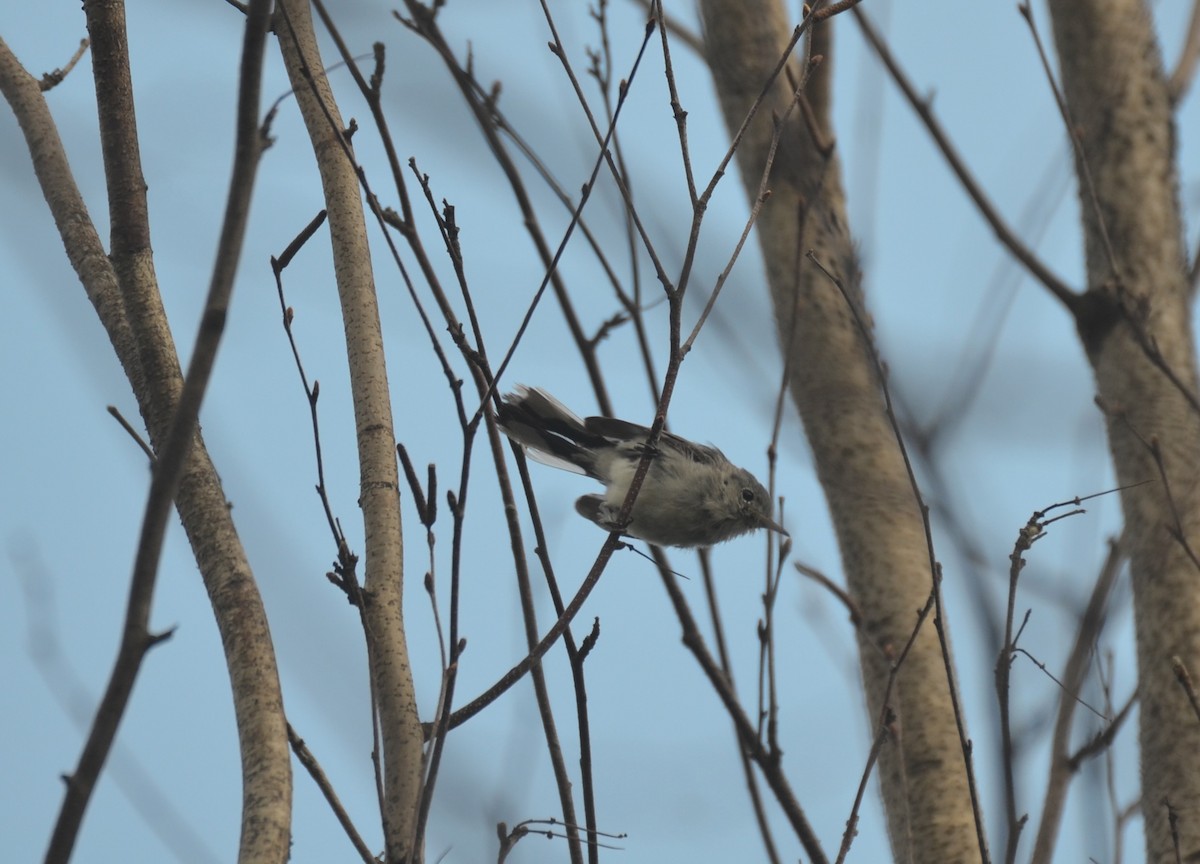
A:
(616, 430)
(622, 430)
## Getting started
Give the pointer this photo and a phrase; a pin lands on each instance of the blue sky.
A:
(669, 778)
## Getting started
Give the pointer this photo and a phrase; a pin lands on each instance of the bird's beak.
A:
(771, 525)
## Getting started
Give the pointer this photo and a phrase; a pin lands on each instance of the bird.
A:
(692, 495)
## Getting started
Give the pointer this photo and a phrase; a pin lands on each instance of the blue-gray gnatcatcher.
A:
(691, 496)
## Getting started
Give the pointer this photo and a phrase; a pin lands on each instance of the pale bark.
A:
(836, 389)
(391, 674)
(1120, 105)
(203, 509)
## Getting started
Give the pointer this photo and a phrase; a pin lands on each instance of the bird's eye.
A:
(747, 495)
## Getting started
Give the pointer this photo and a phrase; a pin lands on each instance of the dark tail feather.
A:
(549, 431)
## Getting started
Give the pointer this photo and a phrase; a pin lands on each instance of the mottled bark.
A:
(124, 291)
(1136, 327)
(379, 492)
(836, 389)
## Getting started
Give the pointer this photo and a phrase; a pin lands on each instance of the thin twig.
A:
(760, 198)
(484, 108)
(52, 79)
(1032, 531)
(604, 157)
(1177, 529)
(1072, 129)
(1090, 625)
(133, 433)
(676, 28)
(760, 815)
(934, 567)
(1102, 740)
(313, 767)
(887, 719)
(346, 560)
(1185, 681)
(881, 736)
(602, 69)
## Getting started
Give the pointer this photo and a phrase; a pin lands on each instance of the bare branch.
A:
(313, 767)
(106, 26)
(1090, 625)
(976, 193)
(52, 79)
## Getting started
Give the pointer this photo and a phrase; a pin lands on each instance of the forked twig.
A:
(1129, 308)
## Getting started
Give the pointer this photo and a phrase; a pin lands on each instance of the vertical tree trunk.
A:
(1136, 328)
(835, 386)
(391, 672)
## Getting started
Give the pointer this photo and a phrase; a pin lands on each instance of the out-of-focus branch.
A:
(1189, 56)
(676, 28)
(835, 384)
(147, 353)
(972, 187)
(1090, 624)
(1136, 325)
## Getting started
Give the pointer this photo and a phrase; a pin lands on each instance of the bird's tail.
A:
(549, 431)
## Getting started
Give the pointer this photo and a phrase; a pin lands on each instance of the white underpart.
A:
(620, 475)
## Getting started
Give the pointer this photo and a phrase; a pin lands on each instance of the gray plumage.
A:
(692, 494)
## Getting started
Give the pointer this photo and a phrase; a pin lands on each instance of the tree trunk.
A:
(395, 705)
(835, 386)
(1136, 328)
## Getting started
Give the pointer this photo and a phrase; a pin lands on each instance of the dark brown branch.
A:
(970, 185)
(131, 432)
(760, 816)
(769, 764)
(313, 767)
